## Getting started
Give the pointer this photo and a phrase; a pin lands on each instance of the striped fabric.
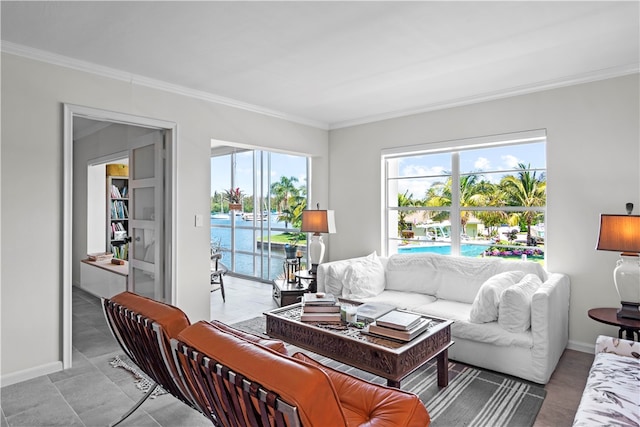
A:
(474, 397)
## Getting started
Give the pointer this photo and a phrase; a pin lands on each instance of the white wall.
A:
(593, 158)
(31, 200)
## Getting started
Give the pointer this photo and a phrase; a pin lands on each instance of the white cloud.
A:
(412, 170)
(418, 187)
(510, 161)
(482, 163)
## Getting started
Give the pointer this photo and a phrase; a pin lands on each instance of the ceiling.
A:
(334, 64)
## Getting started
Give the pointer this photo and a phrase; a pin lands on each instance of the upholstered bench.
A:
(612, 393)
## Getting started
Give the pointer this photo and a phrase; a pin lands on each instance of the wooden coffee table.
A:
(386, 358)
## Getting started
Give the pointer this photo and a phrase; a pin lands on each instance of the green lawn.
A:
(286, 237)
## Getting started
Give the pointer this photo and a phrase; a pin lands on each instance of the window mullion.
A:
(455, 203)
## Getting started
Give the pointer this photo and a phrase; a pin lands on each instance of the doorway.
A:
(153, 155)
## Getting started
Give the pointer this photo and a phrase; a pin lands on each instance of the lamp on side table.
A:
(621, 233)
(316, 222)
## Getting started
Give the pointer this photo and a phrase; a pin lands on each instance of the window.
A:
(274, 193)
(475, 197)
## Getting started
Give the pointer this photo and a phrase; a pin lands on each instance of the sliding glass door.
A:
(272, 190)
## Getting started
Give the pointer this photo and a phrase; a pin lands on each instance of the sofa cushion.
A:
(612, 393)
(426, 273)
(273, 344)
(363, 278)
(384, 405)
(485, 305)
(403, 300)
(171, 318)
(514, 311)
(336, 271)
(447, 277)
(528, 267)
(489, 333)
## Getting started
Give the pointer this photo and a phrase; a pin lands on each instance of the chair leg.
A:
(136, 406)
(222, 289)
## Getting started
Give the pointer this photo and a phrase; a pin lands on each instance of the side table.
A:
(309, 277)
(630, 327)
(285, 293)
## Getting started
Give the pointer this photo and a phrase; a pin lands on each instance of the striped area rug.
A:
(474, 397)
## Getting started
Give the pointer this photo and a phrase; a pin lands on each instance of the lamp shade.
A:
(318, 221)
(619, 233)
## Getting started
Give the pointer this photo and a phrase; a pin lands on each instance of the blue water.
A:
(245, 241)
(465, 250)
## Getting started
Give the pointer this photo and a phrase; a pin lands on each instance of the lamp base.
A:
(629, 310)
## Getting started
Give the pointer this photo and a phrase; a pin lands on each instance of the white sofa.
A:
(612, 393)
(532, 306)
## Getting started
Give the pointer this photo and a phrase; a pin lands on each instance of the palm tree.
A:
(283, 191)
(472, 191)
(404, 200)
(526, 189)
(492, 219)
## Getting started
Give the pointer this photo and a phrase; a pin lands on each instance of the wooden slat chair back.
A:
(144, 328)
(228, 398)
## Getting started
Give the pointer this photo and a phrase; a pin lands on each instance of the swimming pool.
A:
(465, 249)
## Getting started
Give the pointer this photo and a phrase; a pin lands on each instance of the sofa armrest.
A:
(618, 346)
(550, 323)
(365, 403)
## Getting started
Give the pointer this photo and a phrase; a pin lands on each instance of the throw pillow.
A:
(514, 313)
(484, 308)
(364, 278)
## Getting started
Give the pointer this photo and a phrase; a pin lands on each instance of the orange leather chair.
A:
(144, 327)
(318, 396)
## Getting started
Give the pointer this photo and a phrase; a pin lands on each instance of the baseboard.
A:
(31, 373)
(581, 346)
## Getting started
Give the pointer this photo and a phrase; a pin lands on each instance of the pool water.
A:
(465, 250)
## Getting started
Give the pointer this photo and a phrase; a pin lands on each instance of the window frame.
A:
(452, 148)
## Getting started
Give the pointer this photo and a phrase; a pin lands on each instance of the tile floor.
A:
(92, 393)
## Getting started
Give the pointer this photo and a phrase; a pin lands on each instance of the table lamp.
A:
(316, 222)
(621, 233)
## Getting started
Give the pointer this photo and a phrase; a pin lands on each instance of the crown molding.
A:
(112, 73)
(604, 74)
(89, 67)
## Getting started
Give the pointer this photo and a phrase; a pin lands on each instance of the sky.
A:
(499, 161)
(281, 165)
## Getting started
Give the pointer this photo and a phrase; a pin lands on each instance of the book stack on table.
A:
(320, 307)
(399, 325)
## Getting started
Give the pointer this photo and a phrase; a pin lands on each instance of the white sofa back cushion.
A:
(453, 278)
(514, 310)
(413, 273)
(364, 278)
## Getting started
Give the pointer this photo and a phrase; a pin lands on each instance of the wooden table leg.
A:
(393, 383)
(442, 361)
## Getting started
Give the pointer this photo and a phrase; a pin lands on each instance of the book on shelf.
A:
(319, 298)
(320, 317)
(115, 193)
(400, 320)
(321, 308)
(408, 335)
(370, 311)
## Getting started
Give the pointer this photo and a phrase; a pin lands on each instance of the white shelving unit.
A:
(118, 215)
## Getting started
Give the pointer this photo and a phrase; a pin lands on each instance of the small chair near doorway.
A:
(217, 271)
